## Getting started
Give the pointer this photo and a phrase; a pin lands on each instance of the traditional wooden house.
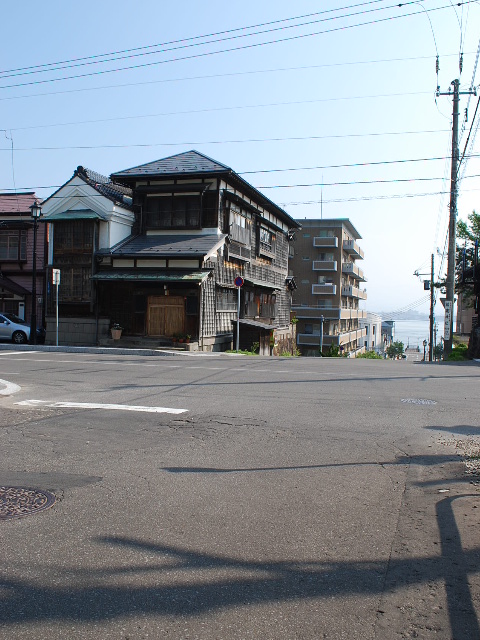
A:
(194, 225)
(198, 225)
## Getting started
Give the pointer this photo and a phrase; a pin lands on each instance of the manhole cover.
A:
(417, 401)
(19, 501)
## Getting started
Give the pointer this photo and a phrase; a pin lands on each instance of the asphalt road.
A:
(224, 497)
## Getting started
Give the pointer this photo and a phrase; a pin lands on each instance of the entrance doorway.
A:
(165, 316)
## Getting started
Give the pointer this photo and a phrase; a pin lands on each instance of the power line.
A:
(243, 141)
(208, 35)
(188, 43)
(225, 75)
(215, 109)
(228, 50)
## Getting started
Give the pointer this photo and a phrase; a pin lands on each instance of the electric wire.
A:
(208, 35)
(184, 44)
(227, 50)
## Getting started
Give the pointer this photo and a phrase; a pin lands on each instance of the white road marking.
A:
(97, 405)
(10, 388)
(15, 353)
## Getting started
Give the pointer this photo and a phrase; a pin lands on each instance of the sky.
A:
(328, 108)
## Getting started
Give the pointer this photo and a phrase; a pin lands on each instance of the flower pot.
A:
(116, 333)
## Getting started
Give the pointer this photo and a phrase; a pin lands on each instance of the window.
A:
(75, 236)
(180, 212)
(306, 235)
(13, 245)
(267, 241)
(76, 284)
(227, 300)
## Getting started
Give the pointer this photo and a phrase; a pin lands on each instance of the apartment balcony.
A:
(313, 340)
(324, 289)
(353, 292)
(353, 314)
(351, 269)
(314, 313)
(324, 265)
(351, 336)
(351, 247)
(337, 340)
(325, 242)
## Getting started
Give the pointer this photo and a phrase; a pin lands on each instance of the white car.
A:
(17, 330)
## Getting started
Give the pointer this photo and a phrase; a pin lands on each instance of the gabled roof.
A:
(13, 203)
(188, 162)
(117, 193)
(103, 184)
(196, 164)
(11, 286)
(184, 246)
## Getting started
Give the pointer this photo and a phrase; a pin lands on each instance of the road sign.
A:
(56, 276)
(239, 281)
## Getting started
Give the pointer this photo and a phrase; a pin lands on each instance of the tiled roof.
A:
(195, 246)
(103, 184)
(16, 202)
(188, 162)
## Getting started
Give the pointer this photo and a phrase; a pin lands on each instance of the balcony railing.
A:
(314, 313)
(351, 247)
(324, 265)
(353, 292)
(240, 234)
(324, 289)
(351, 269)
(325, 242)
(353, 314)
(253, 310)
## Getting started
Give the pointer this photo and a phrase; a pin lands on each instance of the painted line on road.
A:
(97, 405)
(10, 388)
(16, 353)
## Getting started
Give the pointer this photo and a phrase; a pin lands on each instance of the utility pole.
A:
(448, 334)
(432, 305)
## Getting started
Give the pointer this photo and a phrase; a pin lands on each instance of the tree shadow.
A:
(461, 429)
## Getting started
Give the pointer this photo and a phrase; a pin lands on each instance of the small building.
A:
(388, 332)
(326, 300)
(374, 339)
(16, 257)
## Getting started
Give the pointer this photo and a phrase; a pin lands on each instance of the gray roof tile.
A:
(168, 246)
(188, 162)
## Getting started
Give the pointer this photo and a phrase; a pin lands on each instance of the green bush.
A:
(457, 355)
(371, 355)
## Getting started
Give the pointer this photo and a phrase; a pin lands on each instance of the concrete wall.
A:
(76, 331)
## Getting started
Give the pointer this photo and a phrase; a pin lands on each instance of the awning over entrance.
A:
(12, 287)
(83, 214)
(261, 284)
(257, 324)
(152, 276)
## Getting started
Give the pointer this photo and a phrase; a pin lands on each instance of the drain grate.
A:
(16, 502)
(417, 401)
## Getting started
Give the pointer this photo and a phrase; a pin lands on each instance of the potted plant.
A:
(116, 331)
(188, 338)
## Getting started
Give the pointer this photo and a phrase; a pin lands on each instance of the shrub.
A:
(371, 355)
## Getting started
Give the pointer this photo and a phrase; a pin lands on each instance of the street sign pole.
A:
(56, 282)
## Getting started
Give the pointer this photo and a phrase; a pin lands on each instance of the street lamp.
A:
(36, 210)
(424, 350)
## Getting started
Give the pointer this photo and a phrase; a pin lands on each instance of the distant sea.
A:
(413, 332)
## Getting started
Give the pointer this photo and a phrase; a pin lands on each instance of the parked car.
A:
(17, 330)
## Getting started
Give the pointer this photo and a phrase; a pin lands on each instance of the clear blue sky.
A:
(352, 93)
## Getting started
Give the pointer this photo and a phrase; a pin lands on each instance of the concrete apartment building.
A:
(323, 261)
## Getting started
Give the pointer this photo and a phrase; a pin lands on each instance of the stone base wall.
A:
(79, 332)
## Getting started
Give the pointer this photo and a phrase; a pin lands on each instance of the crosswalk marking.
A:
(98, 405)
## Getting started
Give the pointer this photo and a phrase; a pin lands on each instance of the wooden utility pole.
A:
(448, 333)
(432, 306)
